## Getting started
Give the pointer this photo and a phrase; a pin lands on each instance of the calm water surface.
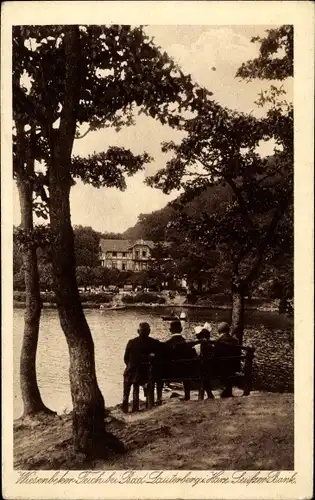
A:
(111, 330)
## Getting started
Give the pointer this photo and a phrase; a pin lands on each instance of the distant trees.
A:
(86, 246)
(151, 226)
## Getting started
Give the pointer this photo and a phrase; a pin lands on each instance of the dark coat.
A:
(227, 346)
(207, 354)
(176, 348)
(137, 355)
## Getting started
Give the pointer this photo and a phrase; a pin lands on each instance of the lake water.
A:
(111, 330)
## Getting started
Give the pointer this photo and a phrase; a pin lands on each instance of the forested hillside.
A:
(153, 226)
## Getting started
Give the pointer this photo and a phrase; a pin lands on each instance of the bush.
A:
(147, 297)
(144, 297)
(191, 298)
(19, 296)
(45, 296)
(99, 298)
(129, 299)
(18, 281)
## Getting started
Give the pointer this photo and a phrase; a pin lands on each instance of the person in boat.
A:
(137, 351)
(227, 346)
(176, 348)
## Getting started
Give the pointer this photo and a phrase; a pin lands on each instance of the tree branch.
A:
(67, 127)
(240, 200)
(28, 106)
(19, 157)
(266, 240)
(85, 133)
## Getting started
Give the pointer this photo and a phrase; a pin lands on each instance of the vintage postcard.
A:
(157, 251)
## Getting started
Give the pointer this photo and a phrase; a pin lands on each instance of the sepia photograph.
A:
(153, 253)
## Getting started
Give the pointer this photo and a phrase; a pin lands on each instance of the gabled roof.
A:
(115, 245)
(122, 245)
(148, 243)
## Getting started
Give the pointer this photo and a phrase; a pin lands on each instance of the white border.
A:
(301, 15)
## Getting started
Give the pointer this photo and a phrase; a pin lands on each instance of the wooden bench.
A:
(199, 373)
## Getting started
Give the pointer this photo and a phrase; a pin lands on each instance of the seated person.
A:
(137, 352)
(226, 347)
(207, 352)
(203, 333)
(176, 348)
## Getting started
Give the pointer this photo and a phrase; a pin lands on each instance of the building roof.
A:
(122, 245)
(148, 243)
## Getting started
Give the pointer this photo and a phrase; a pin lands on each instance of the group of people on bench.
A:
(174, 359)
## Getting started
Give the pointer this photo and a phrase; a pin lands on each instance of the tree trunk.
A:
(237, 323)
(238, 307)
(31, 397)
(88, 402)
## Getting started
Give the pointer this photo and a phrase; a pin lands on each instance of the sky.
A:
(197, 49)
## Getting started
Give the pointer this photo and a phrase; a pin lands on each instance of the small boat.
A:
(174, 317)
(104, 307)
(170, 318)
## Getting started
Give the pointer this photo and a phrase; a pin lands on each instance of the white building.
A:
(126, 255)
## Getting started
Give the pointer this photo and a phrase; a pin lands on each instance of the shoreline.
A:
(94, 305)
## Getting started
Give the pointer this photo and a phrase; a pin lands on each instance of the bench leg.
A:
(227, 391)
(125, 403)
(201, 393)
(150, 395)
(159, 391)
(186, 384)
(248, 372)
(247, 385)
(135, 398)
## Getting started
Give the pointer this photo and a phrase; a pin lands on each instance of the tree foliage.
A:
(120, 70)
(275, 60)
(86, 245)
(220, 151)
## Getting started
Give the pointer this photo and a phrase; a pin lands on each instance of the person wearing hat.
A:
(205, 349)
(138, 350)
(226, 347)
(202, 333)
(176, 348)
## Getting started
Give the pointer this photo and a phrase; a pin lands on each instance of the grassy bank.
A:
(250, 433)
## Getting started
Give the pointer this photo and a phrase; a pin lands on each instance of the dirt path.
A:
(254, 432)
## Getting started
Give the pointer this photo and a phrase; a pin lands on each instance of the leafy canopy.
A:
(221, 149)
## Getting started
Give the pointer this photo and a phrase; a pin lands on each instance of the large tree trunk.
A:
(238, 307)
(88, 402)
(31, 397)
(237, 323)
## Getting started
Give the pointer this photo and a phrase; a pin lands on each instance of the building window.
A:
(124, 254)
(137, 254)
(114, 265)
(123, 266)
(114, 254)
(144, 253)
